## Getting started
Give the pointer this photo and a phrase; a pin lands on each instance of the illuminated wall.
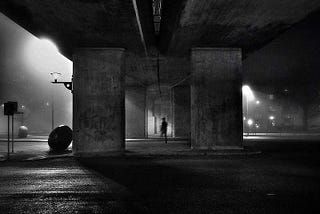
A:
(159, 106)
(135, 112)
(182, 111)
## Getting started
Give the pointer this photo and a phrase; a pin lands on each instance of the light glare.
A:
(247, 92)
(48, 44)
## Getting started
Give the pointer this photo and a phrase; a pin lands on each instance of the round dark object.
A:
(23, 132)
(60, 138)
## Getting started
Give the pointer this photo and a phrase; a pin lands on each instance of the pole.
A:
(12, 127)
(247, 115)
(52, 109)
(8, 136)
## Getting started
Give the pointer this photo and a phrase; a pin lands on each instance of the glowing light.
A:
(257, 126)
(47, 104)
(246, 91)
(43, 55)
(257, 102)
(23, 107)
(250, 122)
(271, 117)
(244, 118)
(48, 44)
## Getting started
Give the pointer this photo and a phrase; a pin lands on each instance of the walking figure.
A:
(164, 126)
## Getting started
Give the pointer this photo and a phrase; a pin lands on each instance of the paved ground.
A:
(284, 178)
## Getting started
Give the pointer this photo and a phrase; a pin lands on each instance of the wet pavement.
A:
(283, 178)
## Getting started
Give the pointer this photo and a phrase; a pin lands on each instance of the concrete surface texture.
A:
(184, 24)
(283, 179)
(79, 23)
(247, 24)
(135, 102)
(98, 101)
(216, 113)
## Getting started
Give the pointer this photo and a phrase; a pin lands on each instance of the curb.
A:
(38, 157)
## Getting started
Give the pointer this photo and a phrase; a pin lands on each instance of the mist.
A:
(25, 66)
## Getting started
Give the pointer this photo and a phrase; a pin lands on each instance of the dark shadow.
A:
(160, 188)
(63, 152)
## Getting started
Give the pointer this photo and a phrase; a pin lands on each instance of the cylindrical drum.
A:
(60, 138)
(23, 132)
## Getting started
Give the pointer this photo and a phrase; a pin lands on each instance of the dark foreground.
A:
(280, 180)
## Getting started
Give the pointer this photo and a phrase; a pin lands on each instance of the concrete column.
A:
(216, 104)
(98, 102)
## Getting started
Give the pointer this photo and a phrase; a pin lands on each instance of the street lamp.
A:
(55, 76)
(68, 85)
(271, 117)
(248, 94)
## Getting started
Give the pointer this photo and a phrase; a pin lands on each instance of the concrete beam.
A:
(77, 23)
(248, 24)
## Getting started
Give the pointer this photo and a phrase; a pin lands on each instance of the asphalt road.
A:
(277, 181)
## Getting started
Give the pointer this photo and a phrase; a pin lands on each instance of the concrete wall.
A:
(135, 112)
(99, 101)
(140, 116)
(182, 111)
(159, 106)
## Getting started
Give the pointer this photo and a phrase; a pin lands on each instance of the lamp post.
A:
(55, 76)
(248, 94)
(68, 85)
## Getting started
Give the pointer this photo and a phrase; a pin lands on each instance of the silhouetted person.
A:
(164, 126)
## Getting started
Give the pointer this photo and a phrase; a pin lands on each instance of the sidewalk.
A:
(36, 147)
(25, 150)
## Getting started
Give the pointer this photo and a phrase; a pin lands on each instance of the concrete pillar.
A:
(98, 102)
(216, 104)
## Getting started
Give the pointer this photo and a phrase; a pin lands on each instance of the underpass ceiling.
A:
(85, 23)
(248, 24)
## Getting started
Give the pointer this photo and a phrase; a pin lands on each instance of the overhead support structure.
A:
(98, 102)
(216, 113)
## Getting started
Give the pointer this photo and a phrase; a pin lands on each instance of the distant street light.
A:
(271, 117)
(248, 94)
